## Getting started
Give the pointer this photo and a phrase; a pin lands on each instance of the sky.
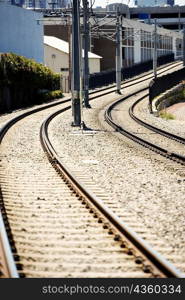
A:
(103, 3)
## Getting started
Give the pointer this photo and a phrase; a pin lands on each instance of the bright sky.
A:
(103, 3)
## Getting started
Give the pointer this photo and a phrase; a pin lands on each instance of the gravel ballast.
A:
(54, 234)
(136, 180)
(146, 190)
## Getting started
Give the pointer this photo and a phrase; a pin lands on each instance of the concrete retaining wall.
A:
(168, 98)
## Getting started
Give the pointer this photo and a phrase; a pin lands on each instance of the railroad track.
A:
(150, 261)
(131, 82)
(7, 264)
(162, 142)
(165, 133)
(20, 212)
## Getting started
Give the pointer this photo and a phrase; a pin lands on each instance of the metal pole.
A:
(184, 45)
(155, 50)
(69, 59)
(118, 52)
(179, 15)
(86, 43)
(76, 109)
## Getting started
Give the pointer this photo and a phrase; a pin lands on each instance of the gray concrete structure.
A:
(20, 32)
(170, 17)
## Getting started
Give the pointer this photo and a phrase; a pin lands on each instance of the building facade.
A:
(41, 3)
(56, 56)
(137, 42)
(20, 32)
(148, 3)
(169, 16)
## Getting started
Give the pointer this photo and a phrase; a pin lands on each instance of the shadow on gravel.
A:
(29, 106)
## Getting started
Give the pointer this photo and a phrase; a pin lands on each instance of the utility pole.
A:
(118, 51)
(76, 58)
(86, 43)
(184, 45)
(179, 16)
(69, 59)
(155, 50)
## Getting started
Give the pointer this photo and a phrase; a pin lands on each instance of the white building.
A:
(56, 56)
(20, 32)
(137, 43)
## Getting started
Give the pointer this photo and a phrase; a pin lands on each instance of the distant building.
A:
(148, 3)
(41, 3)
(123, 8)
(56, 56)
(168, 15)
(98, 8)
(114, 6)
(20, 32)
(137, 44)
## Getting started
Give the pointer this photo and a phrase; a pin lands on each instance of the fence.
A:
(108, 77)
(166, 82)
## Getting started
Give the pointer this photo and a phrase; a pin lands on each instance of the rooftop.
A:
(63, 46)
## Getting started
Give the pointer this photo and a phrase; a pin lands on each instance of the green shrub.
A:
(26, 71)
(46, 96)
(25, 78)
(165, 115)
(183, 93)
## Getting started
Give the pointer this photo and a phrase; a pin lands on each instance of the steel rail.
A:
(165, 133)
(85, 195)
(10, 123)
(164, 152)
(5, 128)
(167, 67)
(10, 265)
(7, 264)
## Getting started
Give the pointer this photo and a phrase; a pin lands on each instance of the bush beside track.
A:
(46, 96)
(23, 82)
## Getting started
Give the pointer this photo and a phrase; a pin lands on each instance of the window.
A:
(64, 69)
(128, 47)
(146, 45)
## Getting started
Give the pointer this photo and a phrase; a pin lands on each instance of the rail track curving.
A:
(165, 133)
(143, 254)
(127, 130)
(14, 254)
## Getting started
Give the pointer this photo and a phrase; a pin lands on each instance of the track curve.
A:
(8, 209)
